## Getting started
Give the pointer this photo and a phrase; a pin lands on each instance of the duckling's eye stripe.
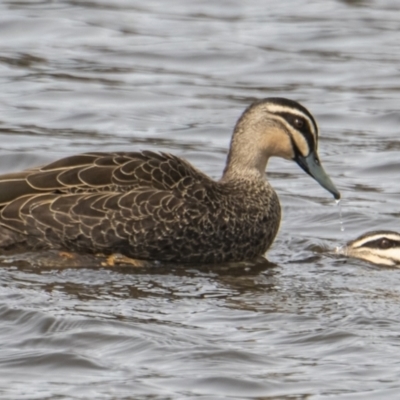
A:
(375, 244)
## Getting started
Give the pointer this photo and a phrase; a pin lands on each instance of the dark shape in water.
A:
(376, 247)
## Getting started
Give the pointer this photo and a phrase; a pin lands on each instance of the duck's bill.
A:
(313, 167)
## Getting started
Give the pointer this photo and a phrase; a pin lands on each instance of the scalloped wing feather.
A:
(93, 172)
(128, 202)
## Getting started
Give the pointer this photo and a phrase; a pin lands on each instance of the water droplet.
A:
(342, 229)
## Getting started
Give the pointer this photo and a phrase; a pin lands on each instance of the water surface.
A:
(174, 76)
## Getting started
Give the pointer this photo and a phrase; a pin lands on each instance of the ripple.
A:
(105, 75)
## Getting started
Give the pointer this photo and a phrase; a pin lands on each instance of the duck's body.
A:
(144, 205)
(376, 247)
(153, 206)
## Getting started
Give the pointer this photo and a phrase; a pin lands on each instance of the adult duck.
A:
(156, 206)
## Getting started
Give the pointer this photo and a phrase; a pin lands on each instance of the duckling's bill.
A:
(313, 167)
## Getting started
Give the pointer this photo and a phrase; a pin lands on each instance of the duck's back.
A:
(144, 205)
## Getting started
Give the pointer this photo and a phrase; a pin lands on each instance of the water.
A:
(342, 228)
(174, 76)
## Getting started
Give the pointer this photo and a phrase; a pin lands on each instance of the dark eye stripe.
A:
(377, 244)
(290, 104)
(305, 130)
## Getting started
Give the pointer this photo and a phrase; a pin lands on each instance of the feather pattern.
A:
(148, 205)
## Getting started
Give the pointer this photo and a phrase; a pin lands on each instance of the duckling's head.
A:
(378, 247)
(276, 127)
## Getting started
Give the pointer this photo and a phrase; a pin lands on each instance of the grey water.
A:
(173, 75)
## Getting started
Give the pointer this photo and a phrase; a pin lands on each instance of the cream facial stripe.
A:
(388, 258)
(305, 138)
(371, 240)
(278, 109)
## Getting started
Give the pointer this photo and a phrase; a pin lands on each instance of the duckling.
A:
(377, 247)
(156, 206)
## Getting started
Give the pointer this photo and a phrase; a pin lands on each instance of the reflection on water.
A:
(111, 75)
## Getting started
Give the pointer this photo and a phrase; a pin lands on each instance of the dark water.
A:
(174, 76)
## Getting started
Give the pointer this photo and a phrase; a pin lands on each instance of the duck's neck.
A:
(246, 160)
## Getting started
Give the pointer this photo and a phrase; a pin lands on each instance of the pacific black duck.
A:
(377, 247)
(156, 206)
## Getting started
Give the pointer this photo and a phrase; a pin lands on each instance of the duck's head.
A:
(277, 127)
(378, 247)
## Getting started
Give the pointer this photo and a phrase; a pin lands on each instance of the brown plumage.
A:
(156, 206)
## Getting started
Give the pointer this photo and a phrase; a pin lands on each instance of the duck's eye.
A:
(298, 123)
(385, 244)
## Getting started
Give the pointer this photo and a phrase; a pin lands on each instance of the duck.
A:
(376, 247)
(150, 205)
